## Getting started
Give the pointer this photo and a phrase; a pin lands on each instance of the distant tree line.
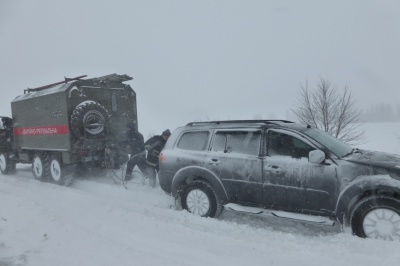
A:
(382, 112)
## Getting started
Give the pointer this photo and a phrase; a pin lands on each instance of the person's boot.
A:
(152, 182)
(128, 177)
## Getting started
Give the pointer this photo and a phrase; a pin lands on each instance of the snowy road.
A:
(96, 222)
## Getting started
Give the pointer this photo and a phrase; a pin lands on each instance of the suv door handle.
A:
(273, 168)
(214, 161)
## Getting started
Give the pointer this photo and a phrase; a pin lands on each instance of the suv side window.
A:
(196, 141)
(286, 145)
(244, 142)
(219, 142)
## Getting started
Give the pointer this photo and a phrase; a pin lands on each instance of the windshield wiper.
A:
(356, 150)
(349, 153)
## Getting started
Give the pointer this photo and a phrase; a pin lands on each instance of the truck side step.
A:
(282, 214)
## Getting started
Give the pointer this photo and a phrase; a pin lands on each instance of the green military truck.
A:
(74, 124)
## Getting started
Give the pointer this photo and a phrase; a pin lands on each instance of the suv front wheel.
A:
(200, 198)
(377, 217)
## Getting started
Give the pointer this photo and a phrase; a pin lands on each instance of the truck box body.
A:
(55, 119)
(41, 120)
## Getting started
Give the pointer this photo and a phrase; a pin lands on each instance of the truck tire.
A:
(40, 166)
(59, 173)
(6, 165)
(200, 198)
(376, 217)
(89, 119)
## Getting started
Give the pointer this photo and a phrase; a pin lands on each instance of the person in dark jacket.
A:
(135, 143)
(135, 139)
(153, 146)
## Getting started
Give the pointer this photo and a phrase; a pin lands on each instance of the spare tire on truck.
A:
(89, 119)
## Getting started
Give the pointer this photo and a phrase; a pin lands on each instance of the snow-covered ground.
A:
(97, 221)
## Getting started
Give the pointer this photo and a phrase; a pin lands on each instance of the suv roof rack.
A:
(239, 122)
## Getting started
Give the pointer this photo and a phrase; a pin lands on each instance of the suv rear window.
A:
(196, 141)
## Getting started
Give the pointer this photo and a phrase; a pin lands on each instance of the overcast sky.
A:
(201, 60)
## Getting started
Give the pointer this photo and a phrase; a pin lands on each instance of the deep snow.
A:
(97, 221)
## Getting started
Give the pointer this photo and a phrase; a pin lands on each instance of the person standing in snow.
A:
(153, 146)
(136, 146)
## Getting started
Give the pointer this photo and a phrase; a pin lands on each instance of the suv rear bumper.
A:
(165, 179)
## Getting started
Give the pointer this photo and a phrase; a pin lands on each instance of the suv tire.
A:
(376, 217)
(90, 118)
(200, 198)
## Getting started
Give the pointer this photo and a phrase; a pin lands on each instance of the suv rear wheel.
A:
(200, 198)
(377, 217)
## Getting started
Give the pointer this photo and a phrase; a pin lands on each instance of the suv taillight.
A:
(161, 157)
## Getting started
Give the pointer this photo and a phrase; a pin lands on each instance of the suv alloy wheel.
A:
(199, 198)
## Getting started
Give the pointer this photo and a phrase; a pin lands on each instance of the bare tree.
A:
(325, 108)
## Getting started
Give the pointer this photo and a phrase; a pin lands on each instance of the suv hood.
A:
(375, 158)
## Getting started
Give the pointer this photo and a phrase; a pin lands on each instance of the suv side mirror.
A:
(316, 156)
(228, 149)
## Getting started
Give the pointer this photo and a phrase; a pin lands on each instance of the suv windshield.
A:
(338, 148)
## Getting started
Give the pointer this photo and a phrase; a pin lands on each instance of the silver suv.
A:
(284, 169)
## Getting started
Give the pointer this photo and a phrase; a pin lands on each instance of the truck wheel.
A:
(89, 118)
(60, 174)
(200, 198)
(40, 166)
(377, 217)
(6, 166)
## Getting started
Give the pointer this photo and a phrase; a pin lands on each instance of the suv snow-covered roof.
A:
(227, 123)
(221, 122)
(271, 123)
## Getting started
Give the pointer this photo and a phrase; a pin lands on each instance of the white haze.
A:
(202, 60)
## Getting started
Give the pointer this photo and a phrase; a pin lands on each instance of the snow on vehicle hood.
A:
(375, 158)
